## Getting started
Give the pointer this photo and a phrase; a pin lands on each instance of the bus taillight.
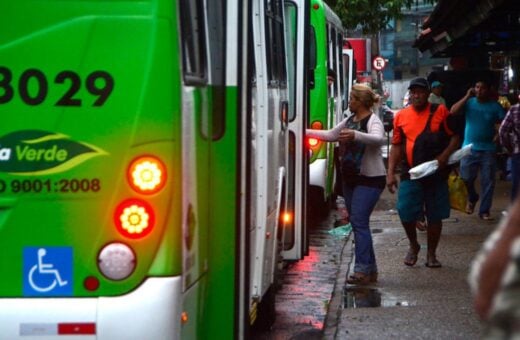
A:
(134, 218)
(316, 125)
(146, 175)
(312, 142)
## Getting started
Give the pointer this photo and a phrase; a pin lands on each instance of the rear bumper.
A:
(318, 173)
(152, 311)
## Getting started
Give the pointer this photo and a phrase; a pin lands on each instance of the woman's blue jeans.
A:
(485, 161)
(360, 201)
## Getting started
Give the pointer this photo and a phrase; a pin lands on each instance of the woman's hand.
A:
(346, 135)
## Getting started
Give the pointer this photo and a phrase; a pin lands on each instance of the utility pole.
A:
(377, 83)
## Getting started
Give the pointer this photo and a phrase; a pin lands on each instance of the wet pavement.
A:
(415, 302)
(303, 300)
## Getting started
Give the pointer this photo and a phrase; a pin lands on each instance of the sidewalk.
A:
(413, 302)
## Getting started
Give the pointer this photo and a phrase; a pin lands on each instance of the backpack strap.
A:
(433, 109)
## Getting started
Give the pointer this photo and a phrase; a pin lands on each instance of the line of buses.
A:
(154, 170)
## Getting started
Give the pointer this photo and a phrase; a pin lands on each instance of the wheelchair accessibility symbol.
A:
(47, 271)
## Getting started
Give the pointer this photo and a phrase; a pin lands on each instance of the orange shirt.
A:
(409, 124)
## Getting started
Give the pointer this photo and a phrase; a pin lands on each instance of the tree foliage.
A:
(371, 16)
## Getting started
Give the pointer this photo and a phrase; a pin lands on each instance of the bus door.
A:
(295, 236)
(267, 155)
(348, 75)
(208, 168)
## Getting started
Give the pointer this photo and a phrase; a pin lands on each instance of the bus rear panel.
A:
(90, 174)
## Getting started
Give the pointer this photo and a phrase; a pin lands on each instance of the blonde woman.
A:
(363, 173)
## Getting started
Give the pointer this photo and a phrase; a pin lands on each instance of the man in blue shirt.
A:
(482, 113)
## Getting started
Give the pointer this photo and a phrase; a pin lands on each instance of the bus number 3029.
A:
(33, 87)
(47, 186)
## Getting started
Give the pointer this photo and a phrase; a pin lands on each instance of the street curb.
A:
(335, 308)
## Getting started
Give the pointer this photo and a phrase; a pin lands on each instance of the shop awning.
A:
(465, 27)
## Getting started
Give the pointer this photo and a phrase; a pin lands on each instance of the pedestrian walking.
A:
(435, 97)
(509, 134)
(481, 113)
(361, 136)
(421, 133)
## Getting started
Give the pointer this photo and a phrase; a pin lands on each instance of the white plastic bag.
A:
(428, 168)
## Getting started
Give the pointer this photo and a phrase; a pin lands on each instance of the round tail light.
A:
(134, 218)
(146, 175)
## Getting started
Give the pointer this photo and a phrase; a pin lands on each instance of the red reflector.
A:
(76, 328)
(91, 283)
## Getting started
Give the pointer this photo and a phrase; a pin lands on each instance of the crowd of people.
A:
(423, 131)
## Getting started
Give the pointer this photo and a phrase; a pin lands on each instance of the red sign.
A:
(361, 51)
(379, 63)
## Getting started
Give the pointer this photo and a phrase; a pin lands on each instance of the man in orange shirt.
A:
(421, 133)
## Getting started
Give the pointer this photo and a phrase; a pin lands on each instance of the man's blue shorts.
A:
(414, 197)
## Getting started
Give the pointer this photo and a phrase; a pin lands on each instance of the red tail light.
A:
(312, 142)
(134, 218)
(146, 175)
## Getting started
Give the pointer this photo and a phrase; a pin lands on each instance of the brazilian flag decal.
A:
(36, 152)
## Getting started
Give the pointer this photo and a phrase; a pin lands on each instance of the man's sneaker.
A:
(486, 217)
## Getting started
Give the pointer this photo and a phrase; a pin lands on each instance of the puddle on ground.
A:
(363, 297)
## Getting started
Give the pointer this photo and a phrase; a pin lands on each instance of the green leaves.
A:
(371, 16)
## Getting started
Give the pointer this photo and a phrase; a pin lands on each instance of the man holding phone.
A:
(481, 113)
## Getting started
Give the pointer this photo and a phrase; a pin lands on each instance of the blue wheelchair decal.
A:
(47, 271)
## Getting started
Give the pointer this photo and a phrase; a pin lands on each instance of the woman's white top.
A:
(372, 162)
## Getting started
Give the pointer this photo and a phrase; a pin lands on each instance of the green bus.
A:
(326, 101)
(143, 167)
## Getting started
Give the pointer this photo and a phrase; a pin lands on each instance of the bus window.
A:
(193, 42)
(339, 44)
(217, 65)
(346, 88)
(312, 55)
(291, 48)
(275, 42)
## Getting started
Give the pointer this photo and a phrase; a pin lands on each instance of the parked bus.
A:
(144, 152)
(326, 105)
